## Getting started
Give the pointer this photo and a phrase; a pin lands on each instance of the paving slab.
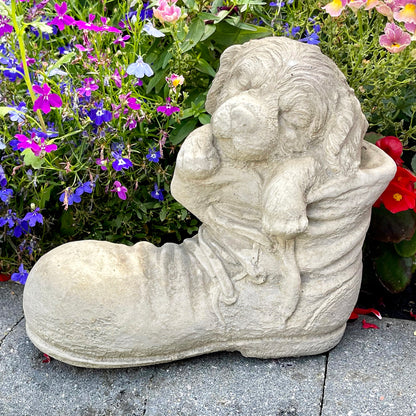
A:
(11, 310)
(372, 372)
(215, 384)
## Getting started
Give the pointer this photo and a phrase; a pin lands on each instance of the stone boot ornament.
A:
(283, 184)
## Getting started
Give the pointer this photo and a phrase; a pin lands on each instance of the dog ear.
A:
(226, 62)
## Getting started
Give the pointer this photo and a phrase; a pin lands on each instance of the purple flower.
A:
(102, 163)
(99, 115)
(120, 162)
(139, 68)
(121, 190)
(89, 86)
(21, 276)
(33, 217)
(4, 26)
(6, 195)
(157, 193)
(62, 19)
(46, 100)
(167, 109)
(121, 41)
(153, 155)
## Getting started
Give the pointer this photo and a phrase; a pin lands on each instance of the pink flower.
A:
(175, 80)
(336, 7)
(370, 4)
(121, 41)
(167, 11)
(46, 100)
(62, 19)
(394, 38)
(121, 190)
(356, 4)
(407, 11)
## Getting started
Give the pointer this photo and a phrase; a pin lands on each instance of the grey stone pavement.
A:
(372, 372)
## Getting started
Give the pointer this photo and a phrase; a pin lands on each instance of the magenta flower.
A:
(89, 86)
(80, 24)
(36, 143)
(121, 41)
(108, 28)
(116, 77)
(167, 109)
(102, 163)
(62, 19)
(406, 12)
(394, 38)
(4, 26)
(46, 100)
(121, 190)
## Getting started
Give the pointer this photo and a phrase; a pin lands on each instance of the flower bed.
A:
(96, 98)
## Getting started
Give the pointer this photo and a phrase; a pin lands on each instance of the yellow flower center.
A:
(398, 197)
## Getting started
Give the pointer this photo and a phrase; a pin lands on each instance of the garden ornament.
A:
(283, 184)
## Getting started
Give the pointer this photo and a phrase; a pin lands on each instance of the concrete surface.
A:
(370, 373)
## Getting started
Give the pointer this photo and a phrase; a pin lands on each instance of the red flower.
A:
(367, 325)
(400, 195)
(393, 147)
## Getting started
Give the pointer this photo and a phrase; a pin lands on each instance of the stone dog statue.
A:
(283, 185)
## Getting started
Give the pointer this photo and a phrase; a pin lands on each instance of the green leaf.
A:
(392, 228)
(67, 221)
(227, 35)
(63, 60)
(204, 118)
(196, 31)
(372, 137)
(393, 271)
(31, 160)
(209, 30)
(406, 248)
(413, 163)
(45, 196)
(163, 213)
(43, 27)
(5, 110)
(203, 66)
(156, 82)
(182, 130)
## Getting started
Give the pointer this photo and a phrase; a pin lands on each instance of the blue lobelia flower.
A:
(157, 193)
(21, 276)
(139, 68)
(6, 195)
(17, 115)
(153, 155)
(311, 38)
(120, 162)
(22, 227)
(3, 179)
(33, 217)
(151, 30)
(99, 115)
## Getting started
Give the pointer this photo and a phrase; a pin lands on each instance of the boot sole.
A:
(264, 348)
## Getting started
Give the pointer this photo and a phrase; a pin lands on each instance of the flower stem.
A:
(20, 32)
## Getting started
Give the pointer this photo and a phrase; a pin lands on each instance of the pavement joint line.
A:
(321, 407)
(8, 332)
